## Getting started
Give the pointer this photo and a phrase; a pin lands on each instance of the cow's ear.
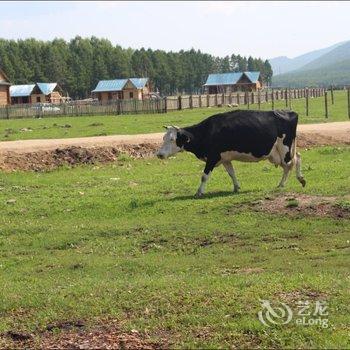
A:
(182, 139)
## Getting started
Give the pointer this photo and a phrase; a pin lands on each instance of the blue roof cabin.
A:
(122, 89)
(233, 81)
(36, 93)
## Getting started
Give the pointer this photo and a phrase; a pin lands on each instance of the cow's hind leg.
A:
(231, 171)
(300, 177)
(286, 169)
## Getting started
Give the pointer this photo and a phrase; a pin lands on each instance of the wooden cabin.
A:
(36, 93)
(50, 93)
(4, 89)
(122, 89)
(233, 81)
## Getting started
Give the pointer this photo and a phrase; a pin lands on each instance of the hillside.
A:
(336, 74)
(338, 54)
(330, 68)
(284, 64)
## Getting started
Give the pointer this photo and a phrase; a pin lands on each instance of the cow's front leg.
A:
(231, 171)
(209, 166)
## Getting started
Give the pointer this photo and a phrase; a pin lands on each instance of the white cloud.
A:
(226, 8)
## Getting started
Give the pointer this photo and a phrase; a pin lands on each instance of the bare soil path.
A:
(325, 133)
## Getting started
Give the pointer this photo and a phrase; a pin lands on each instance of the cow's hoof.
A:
(198, 194)
(236, 189)
(303, 182)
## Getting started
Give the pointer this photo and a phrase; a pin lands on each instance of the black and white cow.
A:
(248, 136)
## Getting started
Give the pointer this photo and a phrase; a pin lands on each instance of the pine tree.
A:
(79, 64)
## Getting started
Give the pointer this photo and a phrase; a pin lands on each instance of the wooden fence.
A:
(79, 109)
(169, 103)
(239, 98)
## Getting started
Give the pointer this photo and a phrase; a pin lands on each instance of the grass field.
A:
(129, 242)
(63, 127)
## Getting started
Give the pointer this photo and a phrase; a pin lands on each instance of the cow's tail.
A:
(296, 155)
(293, 122)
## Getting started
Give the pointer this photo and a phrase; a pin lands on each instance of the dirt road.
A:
(327, 133)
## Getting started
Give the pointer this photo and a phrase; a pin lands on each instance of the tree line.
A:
(79, 64)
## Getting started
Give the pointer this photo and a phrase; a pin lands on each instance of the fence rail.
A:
(169, 103)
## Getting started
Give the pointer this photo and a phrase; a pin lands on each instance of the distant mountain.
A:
(338, 54)
(336, 74)
(283, 64)
(332, 67)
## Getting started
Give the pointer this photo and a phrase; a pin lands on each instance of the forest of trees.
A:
(79, 64)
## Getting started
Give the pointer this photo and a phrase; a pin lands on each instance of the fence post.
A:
(307, 101)
(290, 99)
(259, 99)
(200, 101)
(165, 104)
(208, 100)
(267, 96)
(216, 100)
(326, 104)
(7, 112)
(248, 99)
(273, 100)
(191, 101)
(349, 102)
(238, 98)
(179, 105)
(253, 97)
(332, 95)
(286, 97)
(230, 98)
(223, 99)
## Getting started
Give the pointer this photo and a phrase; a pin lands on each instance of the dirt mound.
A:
(308, 140)
(294, 204)
(100, 337)
(71, 156)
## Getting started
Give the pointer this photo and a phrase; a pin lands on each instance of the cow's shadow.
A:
(210, 195)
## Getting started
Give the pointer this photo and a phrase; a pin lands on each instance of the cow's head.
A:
(174, 141)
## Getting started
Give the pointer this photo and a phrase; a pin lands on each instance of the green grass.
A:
(64, 127)
(128, 241)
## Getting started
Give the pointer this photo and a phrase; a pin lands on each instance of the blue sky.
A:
(261, 29)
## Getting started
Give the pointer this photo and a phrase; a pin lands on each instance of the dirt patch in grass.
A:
(71, 156)
(294, 204)
(295, 296)
(306, 140)
(191, 245)
(106, 336)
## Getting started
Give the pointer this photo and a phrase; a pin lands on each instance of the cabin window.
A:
(120, 95)
(109, 95)
(38, 99)
(131, 95)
